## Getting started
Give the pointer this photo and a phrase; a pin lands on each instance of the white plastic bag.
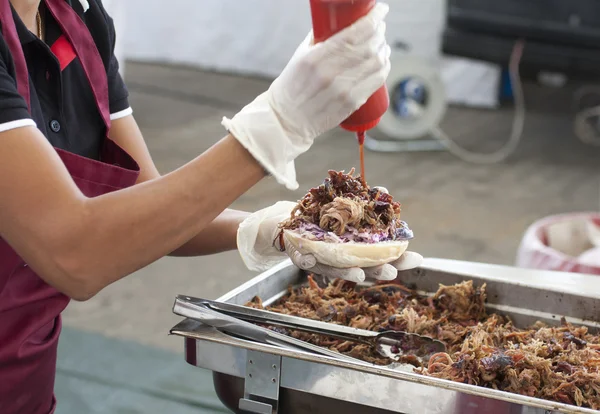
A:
(566, 242)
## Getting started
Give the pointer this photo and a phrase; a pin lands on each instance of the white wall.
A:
(259, 36)
(253, 36)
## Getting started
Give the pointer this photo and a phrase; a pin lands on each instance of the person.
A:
(81, 203)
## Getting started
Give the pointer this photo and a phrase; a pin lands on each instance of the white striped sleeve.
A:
(7, 126)
(121, 114)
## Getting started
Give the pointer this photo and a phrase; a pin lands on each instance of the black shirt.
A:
(62, 103)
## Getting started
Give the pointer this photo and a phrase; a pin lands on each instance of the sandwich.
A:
(345, 223)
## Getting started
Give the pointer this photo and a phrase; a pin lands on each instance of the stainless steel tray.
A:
(267, 379)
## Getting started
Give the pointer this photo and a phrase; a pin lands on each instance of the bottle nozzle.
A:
(360, 135)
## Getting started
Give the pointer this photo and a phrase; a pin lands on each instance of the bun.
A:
(346, 255)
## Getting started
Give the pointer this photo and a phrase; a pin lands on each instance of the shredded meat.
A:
(558, 363)
(342, 212)
(346, 207)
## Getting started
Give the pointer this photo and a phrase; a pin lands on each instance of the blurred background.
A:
(493, 126)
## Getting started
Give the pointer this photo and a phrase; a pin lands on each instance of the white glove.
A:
(321, 86)
(257, 234)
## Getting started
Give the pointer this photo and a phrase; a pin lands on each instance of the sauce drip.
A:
(361, 150)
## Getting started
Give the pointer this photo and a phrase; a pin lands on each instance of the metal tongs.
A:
(390, 344)
(197, 310)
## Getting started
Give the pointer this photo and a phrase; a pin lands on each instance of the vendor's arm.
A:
(80, 245)
(217, 236)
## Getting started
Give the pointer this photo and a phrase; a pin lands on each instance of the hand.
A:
(388, 271)
(319, 88)
(257, 234)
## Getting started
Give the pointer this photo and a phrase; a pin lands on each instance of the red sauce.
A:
(361, 150)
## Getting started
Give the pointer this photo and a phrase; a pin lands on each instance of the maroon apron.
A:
(30, 321)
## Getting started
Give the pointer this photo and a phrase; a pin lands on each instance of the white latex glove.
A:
(389, 271)
(321, 86)
(257, 233)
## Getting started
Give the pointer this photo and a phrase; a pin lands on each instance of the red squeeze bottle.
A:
(328, 18)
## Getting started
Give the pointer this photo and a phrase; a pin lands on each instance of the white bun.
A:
(351, 254)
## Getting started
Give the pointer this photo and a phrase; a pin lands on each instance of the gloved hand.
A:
(320, 87)
(257, 233)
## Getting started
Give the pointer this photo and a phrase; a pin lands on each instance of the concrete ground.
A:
(101, 375)
(457, 210)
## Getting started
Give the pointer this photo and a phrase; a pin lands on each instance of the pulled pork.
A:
(343, 209)
(558, 363)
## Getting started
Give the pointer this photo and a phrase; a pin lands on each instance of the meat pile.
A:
(555, 363)
(345, 209)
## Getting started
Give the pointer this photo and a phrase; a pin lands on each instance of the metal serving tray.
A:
(254, 378)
